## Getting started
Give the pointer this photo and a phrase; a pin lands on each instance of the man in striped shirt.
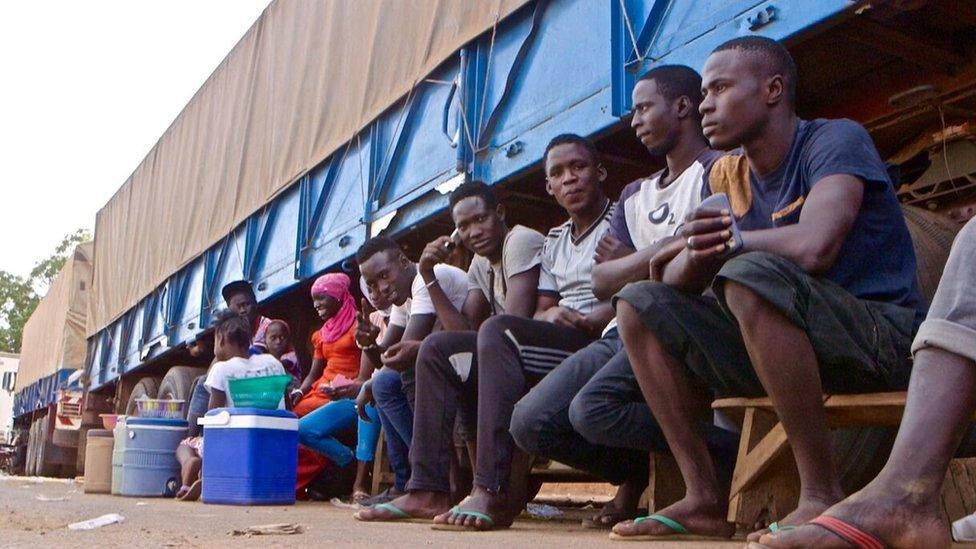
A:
(511, 353)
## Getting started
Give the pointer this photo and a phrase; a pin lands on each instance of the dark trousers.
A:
(481, 374)
(613, 428)
(589, 413)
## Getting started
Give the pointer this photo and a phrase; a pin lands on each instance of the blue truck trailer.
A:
(485, 110)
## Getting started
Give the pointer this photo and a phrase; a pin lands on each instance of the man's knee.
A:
(386, 385)
(642, 298)
(432, 349)
(743, 303)
(736, 279)
(587, 418)
(494, 327)
(527, 425)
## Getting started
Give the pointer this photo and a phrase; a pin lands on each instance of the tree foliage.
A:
(19, 296)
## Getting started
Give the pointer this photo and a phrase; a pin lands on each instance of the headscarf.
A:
(288, 359)
(336, 285)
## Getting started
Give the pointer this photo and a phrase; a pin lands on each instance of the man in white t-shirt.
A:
(589, 412)
(533, 328)
(388, 273)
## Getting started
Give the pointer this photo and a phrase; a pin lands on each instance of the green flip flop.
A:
(680, 532)
(396, 515)
(459, 528)
(775, 527)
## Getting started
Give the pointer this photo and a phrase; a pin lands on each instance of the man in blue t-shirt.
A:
(819, 296)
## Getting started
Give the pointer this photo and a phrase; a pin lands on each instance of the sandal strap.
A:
(475, 514)
(396, 511)
(661, 519)
(848, 532)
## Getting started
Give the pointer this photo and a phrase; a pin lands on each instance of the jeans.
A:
(396, 417)
(199, 403)
(317, 430)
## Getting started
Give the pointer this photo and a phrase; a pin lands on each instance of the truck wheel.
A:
(147, 387)
(178, 383)
(47, 465)
(30, 465)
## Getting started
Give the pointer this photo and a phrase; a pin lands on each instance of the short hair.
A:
(237, 287)
(232, 327)
(572, 139)
(674, 81)
(476, 188)
(374, 246)
(774, 57)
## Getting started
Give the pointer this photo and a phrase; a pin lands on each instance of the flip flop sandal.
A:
(775, 527)
(597, 523)
(859, 539)
(680, 532)
(396, 515)
(460, 528)
(193, 492)
(360, 498)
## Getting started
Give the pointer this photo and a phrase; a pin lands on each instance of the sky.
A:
(86, 90)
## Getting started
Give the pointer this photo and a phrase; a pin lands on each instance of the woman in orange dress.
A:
(334, 345)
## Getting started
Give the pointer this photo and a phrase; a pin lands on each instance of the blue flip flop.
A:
(459, 528)
(680, 532)
(397, 515)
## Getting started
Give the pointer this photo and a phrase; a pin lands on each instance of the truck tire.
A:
(82, 443)
(147, 387)
(178, 382)
(30, 465)
(47, 464)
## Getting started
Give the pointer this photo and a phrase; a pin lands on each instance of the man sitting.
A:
(819, 295)
(495, 366)
(902, 507)
(589, 412)
(389, 274)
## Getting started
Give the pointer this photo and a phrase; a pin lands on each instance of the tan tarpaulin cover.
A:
(303, 80)
(54, 336)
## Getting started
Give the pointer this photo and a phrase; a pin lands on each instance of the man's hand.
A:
(401, 356)
(706, 233)
(609, 248)
(434, 252)
(364, 398)
(366, 331)
(564, 316)
(664, 256)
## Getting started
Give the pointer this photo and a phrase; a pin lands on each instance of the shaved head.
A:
(770, 59)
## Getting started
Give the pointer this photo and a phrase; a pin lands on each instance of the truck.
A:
(48, 398)
(325, 126)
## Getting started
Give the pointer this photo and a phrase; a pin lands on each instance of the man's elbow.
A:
(601, 289)
(818, 258)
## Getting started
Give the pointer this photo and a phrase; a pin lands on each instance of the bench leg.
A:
(765, 483)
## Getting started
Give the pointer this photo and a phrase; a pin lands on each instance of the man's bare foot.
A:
(893, 519)
(481, 502)
(622, 507)
(413, 505)
(806, 510)
(700, 518)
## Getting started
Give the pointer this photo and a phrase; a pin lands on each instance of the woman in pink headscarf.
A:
(335, 356)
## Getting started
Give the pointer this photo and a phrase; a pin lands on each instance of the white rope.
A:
(630, 30)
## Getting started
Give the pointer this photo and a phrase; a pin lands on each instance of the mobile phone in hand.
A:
(720, 201)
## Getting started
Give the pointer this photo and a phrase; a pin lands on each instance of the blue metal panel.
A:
(686, 31)
(552, 67)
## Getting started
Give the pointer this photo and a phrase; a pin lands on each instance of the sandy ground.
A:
(26, 520)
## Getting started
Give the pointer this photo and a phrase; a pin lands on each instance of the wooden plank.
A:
(915, 50)
(759, 458)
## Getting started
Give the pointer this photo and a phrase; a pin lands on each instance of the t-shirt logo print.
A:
(662, 213)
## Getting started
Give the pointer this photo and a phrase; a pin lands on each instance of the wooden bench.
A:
(765, 484)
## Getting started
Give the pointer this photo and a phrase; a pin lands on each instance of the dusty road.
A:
(35, 513)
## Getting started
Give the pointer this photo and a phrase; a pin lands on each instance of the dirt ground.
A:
(35, 513)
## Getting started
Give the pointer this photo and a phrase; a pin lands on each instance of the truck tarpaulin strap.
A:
(304, 79)
(54, 336)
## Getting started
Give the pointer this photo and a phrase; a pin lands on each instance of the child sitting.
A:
(232, 338)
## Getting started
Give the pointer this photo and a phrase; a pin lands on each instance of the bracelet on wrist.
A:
(431, 283)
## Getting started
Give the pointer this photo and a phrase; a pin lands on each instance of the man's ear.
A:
(549, 188)
(683, 106)
(500, 210)
(775, 90)
(603, 172)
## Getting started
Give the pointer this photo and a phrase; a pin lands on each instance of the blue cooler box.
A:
(149, 466)
(250, 456)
